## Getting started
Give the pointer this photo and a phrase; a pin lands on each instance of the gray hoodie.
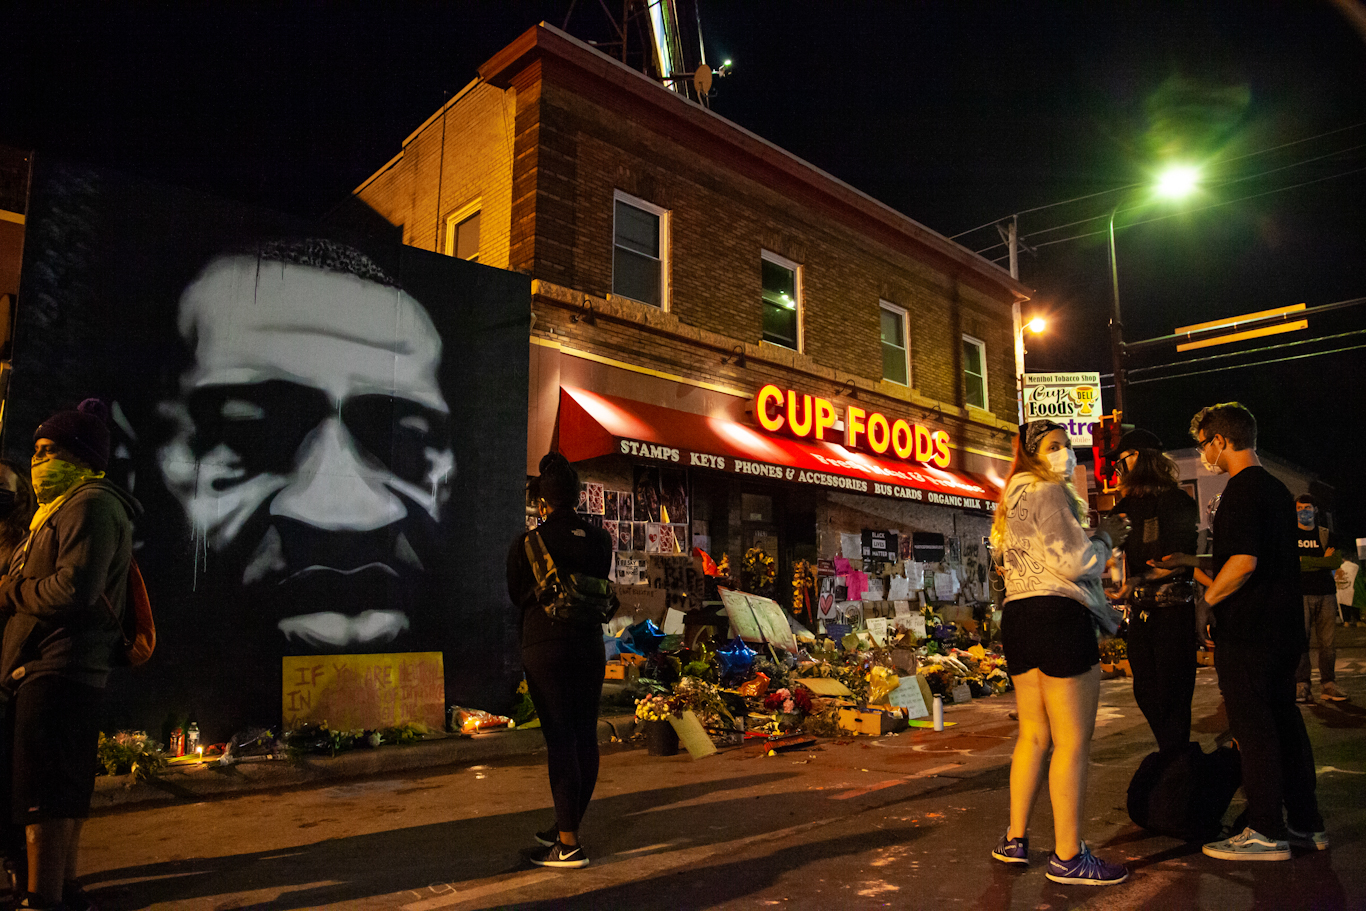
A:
(56, 623)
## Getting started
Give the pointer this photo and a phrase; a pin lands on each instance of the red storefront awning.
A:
(591, 424)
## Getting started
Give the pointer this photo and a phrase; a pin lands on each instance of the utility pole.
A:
(1011, 235)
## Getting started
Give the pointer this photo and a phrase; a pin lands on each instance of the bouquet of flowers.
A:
(939, 678)
(803, 587)
(795, 701)
(655, 708)
(130, 753)
(1113, 651)
(760, 570)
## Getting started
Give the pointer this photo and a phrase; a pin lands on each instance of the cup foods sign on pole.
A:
(1071, 399)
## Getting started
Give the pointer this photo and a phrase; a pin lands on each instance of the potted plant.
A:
(653, 713)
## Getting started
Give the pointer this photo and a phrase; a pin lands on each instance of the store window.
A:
(640, 250)
(896, 360)
(462, 233)
(975, 372)
(782, 301)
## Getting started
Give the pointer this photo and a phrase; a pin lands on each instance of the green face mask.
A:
(54, 477)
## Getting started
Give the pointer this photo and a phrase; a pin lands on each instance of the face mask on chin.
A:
(1063, 461)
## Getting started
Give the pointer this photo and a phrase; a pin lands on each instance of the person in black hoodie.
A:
(1162, 634)
(564, 662)
(62, 600)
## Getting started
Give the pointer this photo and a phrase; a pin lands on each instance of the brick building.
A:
(681, 265)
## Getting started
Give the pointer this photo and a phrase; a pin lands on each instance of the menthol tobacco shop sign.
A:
(1071, 399)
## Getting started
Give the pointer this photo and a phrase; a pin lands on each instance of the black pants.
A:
(564, 680)
(1162, 657)
(1258, 684)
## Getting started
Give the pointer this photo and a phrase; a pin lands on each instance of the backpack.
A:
(138, 628)
(581, 599)
(1185, 795)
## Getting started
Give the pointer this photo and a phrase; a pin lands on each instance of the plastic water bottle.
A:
(192, 738)
(939, 713)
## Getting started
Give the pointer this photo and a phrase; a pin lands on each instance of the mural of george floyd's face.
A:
(312, 451)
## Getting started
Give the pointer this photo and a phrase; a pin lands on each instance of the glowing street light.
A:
(1037, 325)
(1175, 182)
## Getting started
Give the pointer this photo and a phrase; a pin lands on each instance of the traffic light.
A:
(1105, 437)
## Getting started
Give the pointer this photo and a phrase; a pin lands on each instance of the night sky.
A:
(957, 113)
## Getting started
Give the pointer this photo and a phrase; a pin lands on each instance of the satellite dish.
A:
(701, 80)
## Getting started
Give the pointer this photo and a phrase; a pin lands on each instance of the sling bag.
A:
(579, 598)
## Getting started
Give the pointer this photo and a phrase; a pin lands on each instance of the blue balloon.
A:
(736, 659)
(643, 638)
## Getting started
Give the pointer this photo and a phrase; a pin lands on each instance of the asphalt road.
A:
(901, 821)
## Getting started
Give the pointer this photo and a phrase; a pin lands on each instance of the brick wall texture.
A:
(546, 155)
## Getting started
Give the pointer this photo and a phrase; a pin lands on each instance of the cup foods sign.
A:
(809, 417)
(1071, 399)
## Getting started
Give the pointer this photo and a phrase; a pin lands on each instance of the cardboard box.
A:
(627, 673)
(872, 722)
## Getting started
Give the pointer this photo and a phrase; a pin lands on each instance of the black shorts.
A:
(56, 741)
(1052, 633)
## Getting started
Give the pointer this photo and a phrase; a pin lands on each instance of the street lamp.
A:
(1036, 325)
(1174, 183)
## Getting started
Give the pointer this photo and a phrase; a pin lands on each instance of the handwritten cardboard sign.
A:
(913, 695)
(356, 692)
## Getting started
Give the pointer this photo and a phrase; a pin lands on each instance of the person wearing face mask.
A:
(63, 600)
(1161, 602)
(1318, 562)
(1252, 583)
(1054, 603)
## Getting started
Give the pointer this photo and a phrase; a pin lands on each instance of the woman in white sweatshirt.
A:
(1053, 603)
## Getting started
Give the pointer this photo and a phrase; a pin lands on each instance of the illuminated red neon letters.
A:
(809, 417)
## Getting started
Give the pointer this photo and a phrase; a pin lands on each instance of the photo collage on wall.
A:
(651, 518)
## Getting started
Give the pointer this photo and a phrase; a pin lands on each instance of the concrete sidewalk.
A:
(195, 782)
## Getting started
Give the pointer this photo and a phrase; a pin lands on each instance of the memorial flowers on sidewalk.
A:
(655, 708)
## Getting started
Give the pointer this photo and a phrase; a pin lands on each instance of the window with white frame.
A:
(782, 301)
(640, 262)
(462, 233)
(975, 372)
(896, 360)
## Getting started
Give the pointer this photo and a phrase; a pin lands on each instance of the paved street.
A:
(902, 821)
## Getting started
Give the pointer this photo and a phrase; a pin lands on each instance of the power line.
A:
(1284, 145)
(1278, 360)
(1228, 354)
(1216, 205)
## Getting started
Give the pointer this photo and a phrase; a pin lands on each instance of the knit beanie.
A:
(559, 482)
(85, 432)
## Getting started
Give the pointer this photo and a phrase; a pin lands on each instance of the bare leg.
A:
(1031, 749)
(569, 838)
(73, 850)
(1071, 705)
(47, 856)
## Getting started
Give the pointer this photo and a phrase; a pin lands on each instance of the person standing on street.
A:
(63, 601)
(1161, 602)
(564, 661)
(1252, 583)
(1318, 562)
(1053, 600)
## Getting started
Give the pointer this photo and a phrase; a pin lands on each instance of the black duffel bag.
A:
(1186, 794)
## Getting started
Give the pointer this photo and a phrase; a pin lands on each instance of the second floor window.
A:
(782, 307)
(462, 234)
(896, 366)
(975, 372)
(639, 250)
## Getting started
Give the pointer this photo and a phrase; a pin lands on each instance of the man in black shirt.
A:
(1320, 592)
(1253, 586)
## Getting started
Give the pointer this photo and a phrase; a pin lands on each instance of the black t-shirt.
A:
(1256, 517)
(1160, 524)
(1318, 581)
(576, 547)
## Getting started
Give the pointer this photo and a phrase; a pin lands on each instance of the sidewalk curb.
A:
(203, 782)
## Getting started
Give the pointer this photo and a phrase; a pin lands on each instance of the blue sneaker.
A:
(1316, 840)
(1249, 844)
(1085, 870)
(1012, 850)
